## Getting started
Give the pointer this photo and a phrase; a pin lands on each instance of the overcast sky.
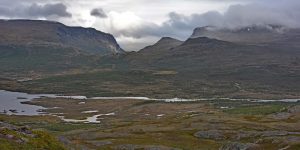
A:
(138, 23)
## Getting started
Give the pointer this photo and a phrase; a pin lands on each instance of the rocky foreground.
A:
(138, 124)
(22, 137)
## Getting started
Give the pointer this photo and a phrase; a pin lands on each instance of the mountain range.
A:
(254, 61)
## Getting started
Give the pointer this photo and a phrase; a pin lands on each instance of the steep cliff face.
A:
(46, 33)
(42, 47)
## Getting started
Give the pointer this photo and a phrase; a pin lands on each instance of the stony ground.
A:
(22, 137)
(136, 124)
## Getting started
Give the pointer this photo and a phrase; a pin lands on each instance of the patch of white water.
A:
(160, 115)
(281, 100)
(116, 98)
(89, 111)
(92, 119)
(224, 107)
(67, 97)
(177, 100)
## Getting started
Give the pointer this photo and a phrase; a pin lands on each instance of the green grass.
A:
(40, 140)
(65, 127)
(102, 83)
(175, 139)
(26, 61)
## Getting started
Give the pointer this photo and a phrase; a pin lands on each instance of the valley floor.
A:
(139, 124)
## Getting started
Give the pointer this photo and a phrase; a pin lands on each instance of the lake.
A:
(10, 103)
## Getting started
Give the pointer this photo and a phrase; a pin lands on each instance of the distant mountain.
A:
(249, 35)
(46, 33)
(163, 44)
(147, 54)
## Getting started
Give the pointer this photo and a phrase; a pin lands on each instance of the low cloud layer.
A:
(34, 11)
(285, 13)
(260, 13)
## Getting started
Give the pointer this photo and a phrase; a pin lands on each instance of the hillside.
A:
(220, 67)
(34, 47)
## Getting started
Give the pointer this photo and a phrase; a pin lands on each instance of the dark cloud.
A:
(98, 12)
(4, 11)
(35, 11)
(58, 9)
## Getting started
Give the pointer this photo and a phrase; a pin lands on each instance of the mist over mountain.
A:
(237, 16)
(255, 34)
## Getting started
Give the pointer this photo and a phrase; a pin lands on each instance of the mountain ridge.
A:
(254, 34)
(41, 32)
(163, 43)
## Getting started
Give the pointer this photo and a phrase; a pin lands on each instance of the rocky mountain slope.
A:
(46, 33)
(34, 47)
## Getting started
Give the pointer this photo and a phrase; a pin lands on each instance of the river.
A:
(10, 102)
